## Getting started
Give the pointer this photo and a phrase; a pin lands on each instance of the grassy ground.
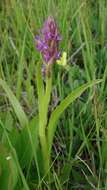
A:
(79, 153)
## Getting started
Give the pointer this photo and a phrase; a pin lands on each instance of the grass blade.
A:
(15, 104)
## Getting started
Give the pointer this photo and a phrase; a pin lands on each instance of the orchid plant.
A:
(47, 43)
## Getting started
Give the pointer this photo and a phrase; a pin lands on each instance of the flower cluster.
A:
(48, 41)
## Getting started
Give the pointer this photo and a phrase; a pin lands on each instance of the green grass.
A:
(78, 143)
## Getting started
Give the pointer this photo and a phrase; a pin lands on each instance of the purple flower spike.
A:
(48, 41)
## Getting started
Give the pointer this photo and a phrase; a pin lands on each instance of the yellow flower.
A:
(63, 60)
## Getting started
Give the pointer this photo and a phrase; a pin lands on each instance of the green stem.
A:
(43, 103)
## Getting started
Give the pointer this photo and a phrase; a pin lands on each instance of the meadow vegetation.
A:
(73, 109)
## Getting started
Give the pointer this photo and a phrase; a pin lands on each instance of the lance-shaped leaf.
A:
(62, 106)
